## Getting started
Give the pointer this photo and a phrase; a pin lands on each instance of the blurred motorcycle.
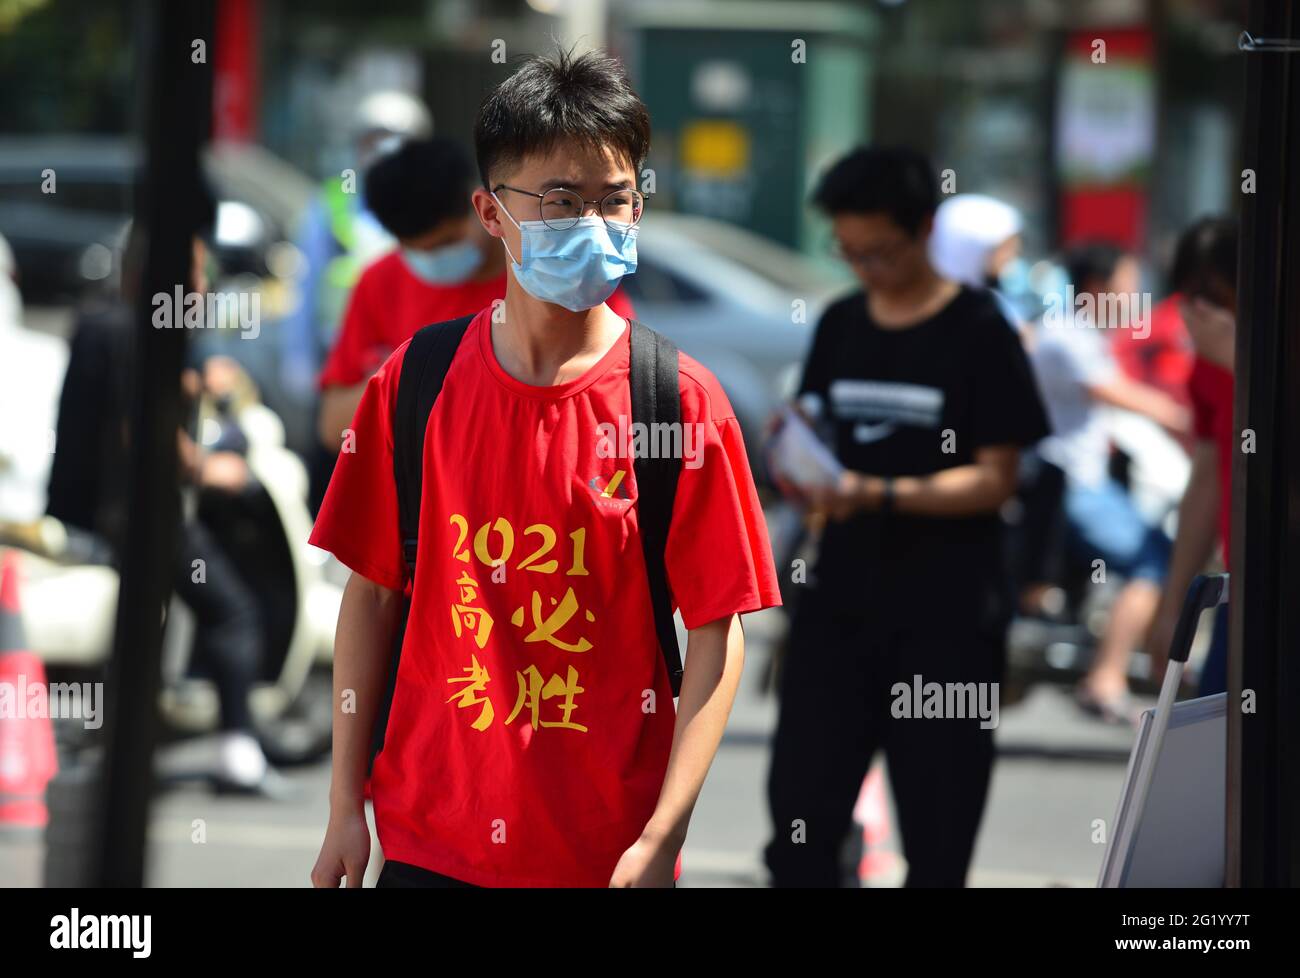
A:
(69, 597)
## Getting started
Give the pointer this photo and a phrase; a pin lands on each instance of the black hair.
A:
(584, 99)
(419, 185)
(891, 180)
(1091, 261)
(1207, 250)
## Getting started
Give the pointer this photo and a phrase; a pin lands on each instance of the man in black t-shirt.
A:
(898, 643)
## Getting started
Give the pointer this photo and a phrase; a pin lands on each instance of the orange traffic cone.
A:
(872, 812)
(27, 756)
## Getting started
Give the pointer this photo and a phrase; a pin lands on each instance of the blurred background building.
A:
(997, 91)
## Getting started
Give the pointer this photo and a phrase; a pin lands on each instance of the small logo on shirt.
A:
(867, 433)
(879, 408)
(613, 487)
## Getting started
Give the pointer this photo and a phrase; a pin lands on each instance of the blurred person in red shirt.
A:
(444, 268)
(1160, 356)
(1206, 275)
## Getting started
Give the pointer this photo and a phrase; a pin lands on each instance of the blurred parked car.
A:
(65, 200)
(64, 241)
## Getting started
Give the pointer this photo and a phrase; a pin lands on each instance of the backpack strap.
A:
(656, 399)
(424, 368)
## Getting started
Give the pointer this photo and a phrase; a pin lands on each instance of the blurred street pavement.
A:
(1056, 773)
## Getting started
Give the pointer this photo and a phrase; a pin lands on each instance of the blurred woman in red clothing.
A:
(1207, 276)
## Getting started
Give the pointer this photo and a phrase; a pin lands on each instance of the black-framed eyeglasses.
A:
(881, 257)
(561, 208)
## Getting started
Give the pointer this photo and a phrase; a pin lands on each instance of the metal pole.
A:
(1263, 817)
(176, 86)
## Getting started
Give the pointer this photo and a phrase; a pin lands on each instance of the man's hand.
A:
(852, 494)
(648, 862)
(226, 471)
(345, 852)
(1213, 330)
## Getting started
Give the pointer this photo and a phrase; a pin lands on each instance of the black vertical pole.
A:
(1264, 661)
(175, 84)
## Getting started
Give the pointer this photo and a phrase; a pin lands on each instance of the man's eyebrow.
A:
(572, 182)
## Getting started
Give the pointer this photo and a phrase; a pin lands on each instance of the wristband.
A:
(887, 495)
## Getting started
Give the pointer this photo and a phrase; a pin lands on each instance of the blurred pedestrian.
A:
(931, 400)
(338, 236)
(87, 492)
(1205, 273)
(1079, 378)
(977, 241)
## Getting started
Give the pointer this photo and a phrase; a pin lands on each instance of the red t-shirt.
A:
(1211, 390)
(533, 717)
(389, 303)
(1161, 357)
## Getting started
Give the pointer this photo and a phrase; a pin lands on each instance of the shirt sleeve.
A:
(1007, 408)
(819, 366)
(358, 520)
(345, 366)
(718, 556)
(1089, 357)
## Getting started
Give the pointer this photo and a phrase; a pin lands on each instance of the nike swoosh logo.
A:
(873, 432)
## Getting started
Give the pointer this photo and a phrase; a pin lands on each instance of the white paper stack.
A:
(800, 457)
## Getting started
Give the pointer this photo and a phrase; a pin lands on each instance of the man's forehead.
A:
(573, 168)
(866, 224)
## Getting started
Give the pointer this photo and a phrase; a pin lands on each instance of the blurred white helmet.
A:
(392, 112)
(968, 228)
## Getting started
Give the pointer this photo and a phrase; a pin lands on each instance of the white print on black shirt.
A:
(880, 406)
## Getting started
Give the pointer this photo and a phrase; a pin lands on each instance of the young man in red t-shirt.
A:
(445, 267)
(532, 739)
(1206, 272)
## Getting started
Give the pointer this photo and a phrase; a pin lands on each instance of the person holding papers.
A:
(930, 399)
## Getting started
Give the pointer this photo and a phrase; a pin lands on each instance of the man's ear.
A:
(487, 211)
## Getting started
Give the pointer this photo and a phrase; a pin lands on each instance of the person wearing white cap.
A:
(976, 241)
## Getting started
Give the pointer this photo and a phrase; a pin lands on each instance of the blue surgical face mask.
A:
(1014, 277)
(577, 268)
(447, 265)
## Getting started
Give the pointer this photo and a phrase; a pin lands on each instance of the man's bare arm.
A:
(715, 654)
(981, 487)
(367, 622)
(964, 490)
(1198, 532)
(1130, 395)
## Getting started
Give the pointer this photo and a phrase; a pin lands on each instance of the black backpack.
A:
(656, 399)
